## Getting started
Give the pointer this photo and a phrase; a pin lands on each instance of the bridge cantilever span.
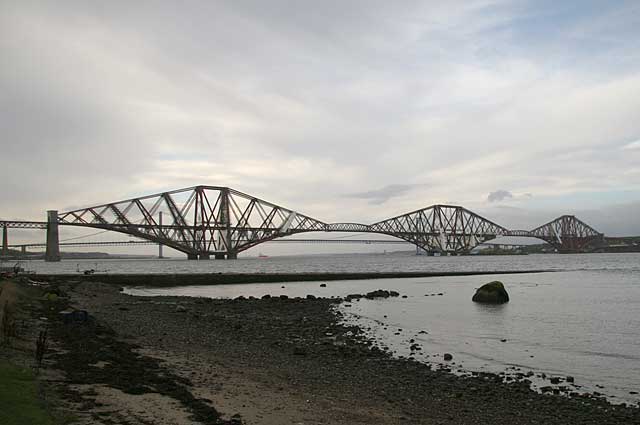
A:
(202, 221)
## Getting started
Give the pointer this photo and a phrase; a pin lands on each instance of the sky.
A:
(343, 111)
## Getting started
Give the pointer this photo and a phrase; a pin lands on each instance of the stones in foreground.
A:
(379, 293)
(491, 293)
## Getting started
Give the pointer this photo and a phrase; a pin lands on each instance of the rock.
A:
(266, 297)
(570, 379)
(381, 293)
(181, 309)
(491, 293)
(448, 357)
(323, 285)
(284, 297)
(311, 297)
(353, 297)
(404, 296)
(554, 380)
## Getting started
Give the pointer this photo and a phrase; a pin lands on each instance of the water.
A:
(582, 321)
(398, 262)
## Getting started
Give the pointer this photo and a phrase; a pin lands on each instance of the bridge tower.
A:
(225, 222)
(53, 247)
(5, 242)
(162, 232)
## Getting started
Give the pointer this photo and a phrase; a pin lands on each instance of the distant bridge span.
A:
(202, 221)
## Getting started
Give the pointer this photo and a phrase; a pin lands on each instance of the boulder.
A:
(491, 293)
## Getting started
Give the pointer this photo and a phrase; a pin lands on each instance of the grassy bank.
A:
(19, 400)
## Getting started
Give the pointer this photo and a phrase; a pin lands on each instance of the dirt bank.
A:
(181, 279)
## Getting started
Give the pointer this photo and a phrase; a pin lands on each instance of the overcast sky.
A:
(341, 110)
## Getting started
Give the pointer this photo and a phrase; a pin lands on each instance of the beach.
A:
(269, 361)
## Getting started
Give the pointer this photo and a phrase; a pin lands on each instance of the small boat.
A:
(261, 255)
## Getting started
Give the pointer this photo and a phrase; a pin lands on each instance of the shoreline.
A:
(188, 279)
(274, 361)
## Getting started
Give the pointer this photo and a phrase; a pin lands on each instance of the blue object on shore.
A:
(74, 316)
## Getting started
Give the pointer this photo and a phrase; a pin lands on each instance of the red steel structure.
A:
(202, 221)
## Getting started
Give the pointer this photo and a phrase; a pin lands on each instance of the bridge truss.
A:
(200, 221)
(568, 234)
(210, 220)
(441, 228)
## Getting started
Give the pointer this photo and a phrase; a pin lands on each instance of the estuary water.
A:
(581, 320)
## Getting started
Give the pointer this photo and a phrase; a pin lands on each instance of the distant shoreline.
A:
(188, 279)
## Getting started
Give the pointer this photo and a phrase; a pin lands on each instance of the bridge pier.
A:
(160, 244)
(53, 247)
(23, 249)
(219, 256)
(205, 256)
(5, 242)
(232, 256)
(192, 256)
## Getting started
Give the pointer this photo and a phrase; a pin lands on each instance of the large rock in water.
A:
(491, 293)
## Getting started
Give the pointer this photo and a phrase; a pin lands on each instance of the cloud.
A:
(380, 196)
(299, 105)
(632, 145)
(499, 195)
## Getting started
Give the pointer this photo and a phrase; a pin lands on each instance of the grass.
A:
(19, 403)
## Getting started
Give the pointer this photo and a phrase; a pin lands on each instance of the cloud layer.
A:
(351, 111)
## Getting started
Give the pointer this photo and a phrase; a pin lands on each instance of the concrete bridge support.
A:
(5, 242)
(53, 246)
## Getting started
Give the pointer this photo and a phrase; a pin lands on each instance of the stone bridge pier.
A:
(53, 240)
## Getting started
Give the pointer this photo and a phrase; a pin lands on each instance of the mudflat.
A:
(178, 360)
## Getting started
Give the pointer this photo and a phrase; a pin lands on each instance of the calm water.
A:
(583, 320)
(350, 263)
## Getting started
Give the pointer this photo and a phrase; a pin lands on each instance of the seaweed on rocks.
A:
(87, 343)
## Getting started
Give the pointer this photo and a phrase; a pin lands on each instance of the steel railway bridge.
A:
(205, 221)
